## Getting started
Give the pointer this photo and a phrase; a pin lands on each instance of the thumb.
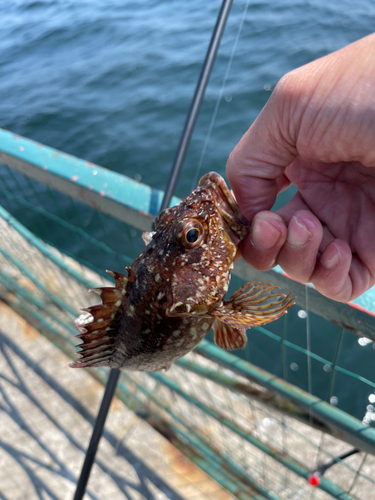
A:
(256, 166)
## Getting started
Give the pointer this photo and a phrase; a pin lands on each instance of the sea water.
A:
(111, 80)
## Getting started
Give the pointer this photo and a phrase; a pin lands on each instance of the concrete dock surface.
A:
(47, 411)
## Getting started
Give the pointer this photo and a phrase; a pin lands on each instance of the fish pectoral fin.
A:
(227, 337)
(254, 304)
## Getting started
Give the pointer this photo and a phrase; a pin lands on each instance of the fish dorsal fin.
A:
(227, 337)
(99, 327)
(254, 304)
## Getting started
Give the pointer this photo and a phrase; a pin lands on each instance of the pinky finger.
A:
(331, 274)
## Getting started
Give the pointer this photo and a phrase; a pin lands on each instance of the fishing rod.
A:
(171, 186)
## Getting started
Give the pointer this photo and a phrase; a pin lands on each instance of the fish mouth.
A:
(236, 224)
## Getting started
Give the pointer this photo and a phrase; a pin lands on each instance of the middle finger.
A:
(299, 253)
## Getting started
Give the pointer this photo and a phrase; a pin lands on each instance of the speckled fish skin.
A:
(174, 290)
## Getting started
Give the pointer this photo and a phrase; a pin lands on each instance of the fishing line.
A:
(220, 96)
(308, 346)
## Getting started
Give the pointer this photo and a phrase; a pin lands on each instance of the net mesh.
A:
(47, 283)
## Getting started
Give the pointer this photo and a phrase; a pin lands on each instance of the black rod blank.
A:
(171, 186)
(96, 434)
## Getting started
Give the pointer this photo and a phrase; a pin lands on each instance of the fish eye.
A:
(190, 233)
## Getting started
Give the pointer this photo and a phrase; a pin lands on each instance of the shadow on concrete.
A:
(30, 461)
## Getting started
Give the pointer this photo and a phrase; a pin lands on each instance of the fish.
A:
(174, 292)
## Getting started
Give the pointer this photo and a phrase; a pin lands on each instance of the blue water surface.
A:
(111, 80)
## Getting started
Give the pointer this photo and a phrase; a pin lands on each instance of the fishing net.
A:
(259, 422)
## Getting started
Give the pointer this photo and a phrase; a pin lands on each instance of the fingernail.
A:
(331, 256)
(298, 233)
(264, 233)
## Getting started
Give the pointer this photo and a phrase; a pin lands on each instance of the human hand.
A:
(317, 131)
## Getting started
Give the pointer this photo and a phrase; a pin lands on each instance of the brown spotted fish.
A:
(174, 291)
